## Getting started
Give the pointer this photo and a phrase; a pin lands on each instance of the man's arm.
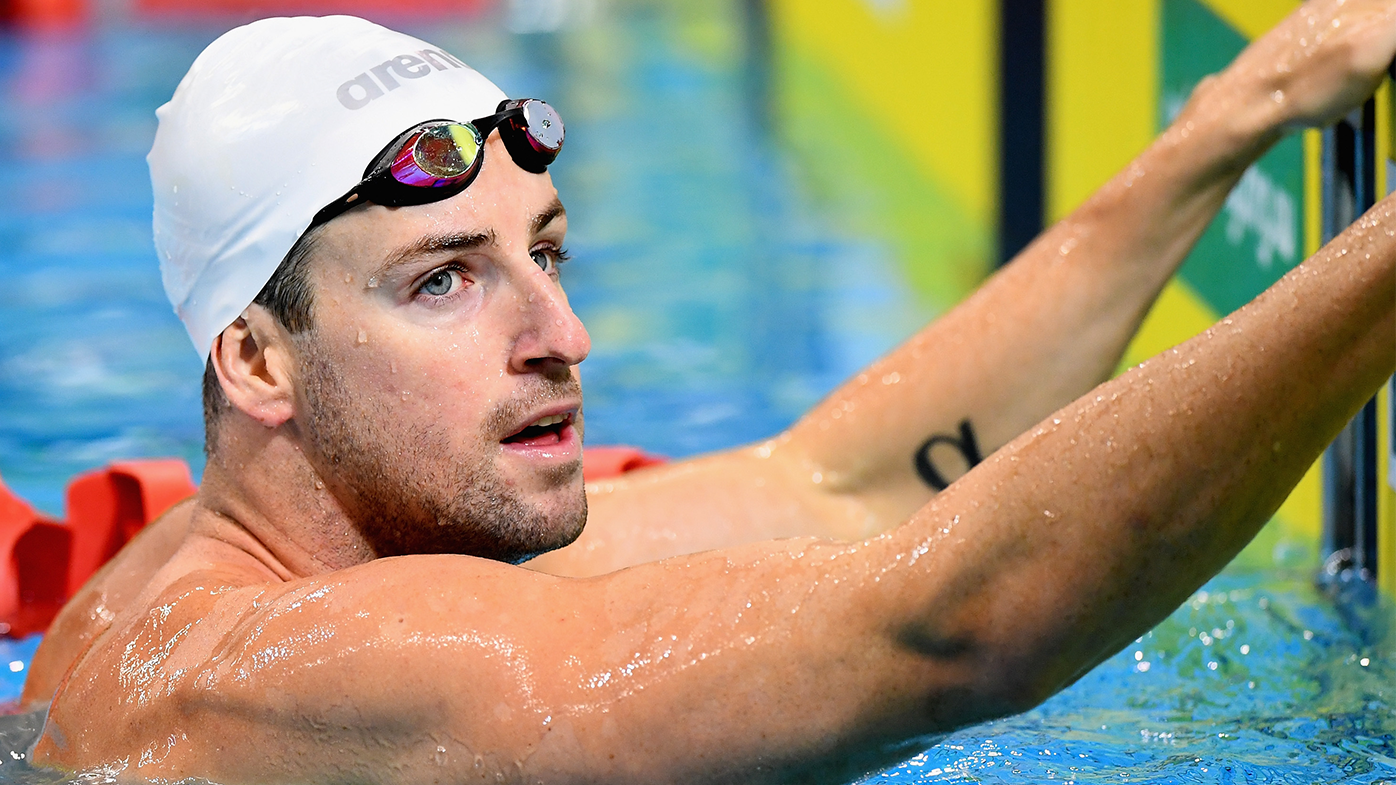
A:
(803, 660)
(1047, 328)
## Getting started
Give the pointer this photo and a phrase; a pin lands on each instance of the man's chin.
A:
(559, 528)
(556, 504)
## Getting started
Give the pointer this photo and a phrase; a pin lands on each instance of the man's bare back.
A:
(797, 610)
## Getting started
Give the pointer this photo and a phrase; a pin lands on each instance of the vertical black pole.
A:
(1022, 61)
(1365, 424)
(1349, 545)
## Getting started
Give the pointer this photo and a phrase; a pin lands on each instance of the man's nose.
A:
(550, 335)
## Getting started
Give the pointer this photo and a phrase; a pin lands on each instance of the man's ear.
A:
(255, 363)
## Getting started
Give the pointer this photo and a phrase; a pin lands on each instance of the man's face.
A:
(438, 391)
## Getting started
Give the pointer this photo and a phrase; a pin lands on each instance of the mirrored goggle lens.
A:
(439, 155)
(544, 126)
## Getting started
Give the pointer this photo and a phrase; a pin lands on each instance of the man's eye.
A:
(440, 283)
(548, 259)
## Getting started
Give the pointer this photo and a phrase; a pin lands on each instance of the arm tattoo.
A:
(965, 443)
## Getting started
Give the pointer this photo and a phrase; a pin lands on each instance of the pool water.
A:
(723, 300)
(1257, 678)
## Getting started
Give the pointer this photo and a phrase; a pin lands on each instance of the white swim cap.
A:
(275, 120)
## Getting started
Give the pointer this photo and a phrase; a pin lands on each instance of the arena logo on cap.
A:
(408, 66)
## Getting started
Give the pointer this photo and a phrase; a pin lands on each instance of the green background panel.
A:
(1258, 236)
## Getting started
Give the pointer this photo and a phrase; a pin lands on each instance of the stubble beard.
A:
(408, 490)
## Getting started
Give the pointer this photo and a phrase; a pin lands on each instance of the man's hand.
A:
(1316, 65)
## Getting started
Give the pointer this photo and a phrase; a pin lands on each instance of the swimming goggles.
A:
(437, 159)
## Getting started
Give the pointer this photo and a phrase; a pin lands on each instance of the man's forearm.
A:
(1049, 327)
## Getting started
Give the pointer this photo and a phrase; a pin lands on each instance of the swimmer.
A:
(394, 423)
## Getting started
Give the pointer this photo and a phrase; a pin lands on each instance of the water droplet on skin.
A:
(363, 336)
(406, 394)
(319, 485)
(1278, 96)
(348, 277)
(532, 296)
(373, 282)
(392, 366)
(892, 378)
(816, 478)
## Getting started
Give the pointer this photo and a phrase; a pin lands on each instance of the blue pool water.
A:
(723, 300)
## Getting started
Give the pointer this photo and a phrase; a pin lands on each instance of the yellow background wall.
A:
(927, 68)
(891, 107)
(1102, 93)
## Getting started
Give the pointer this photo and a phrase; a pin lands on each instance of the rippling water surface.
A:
(723, 300)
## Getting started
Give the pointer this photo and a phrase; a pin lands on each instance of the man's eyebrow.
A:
(438, 243)
(434, 244)
(547, 215)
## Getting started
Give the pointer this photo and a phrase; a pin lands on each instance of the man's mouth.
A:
(542, 432)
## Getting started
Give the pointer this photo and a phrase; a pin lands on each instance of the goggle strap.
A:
(336, 208)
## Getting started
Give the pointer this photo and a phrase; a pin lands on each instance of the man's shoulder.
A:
(104, 597)
(215, 651)
(206, 614)
(134, 663)
(181, 595)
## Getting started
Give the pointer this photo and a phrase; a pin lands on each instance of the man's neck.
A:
(261, 494)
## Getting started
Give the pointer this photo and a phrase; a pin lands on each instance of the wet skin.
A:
(896, 613)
